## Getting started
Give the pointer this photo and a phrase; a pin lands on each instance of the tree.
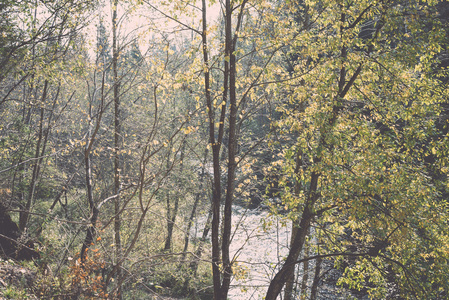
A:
(359, 115)
(231, 122)
(35, 53)
(123, 144)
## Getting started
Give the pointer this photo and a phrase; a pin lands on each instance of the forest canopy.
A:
(145, 145)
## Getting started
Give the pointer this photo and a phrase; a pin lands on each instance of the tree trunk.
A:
(117, 147)
(90, 234)
(282, 276)
(171, 219)
(168, 219)
(316, 279)
(344, 86)
(288, 291)
(90, 139)
(232, 147)
(25, 213)
(216, 146)
(193, 266)
(195, 204)
(199, 251)
(305, 276)
(172, 214)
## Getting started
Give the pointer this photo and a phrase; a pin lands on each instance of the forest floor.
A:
(15, 281)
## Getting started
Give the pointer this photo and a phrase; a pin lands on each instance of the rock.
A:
(11, 245)
(16, 277)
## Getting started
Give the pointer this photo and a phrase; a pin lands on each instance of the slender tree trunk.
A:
(230, 46)
(18, 193)
(290, 283)
(199, 251)
(232, 147)
(25, 210)
(316, 279)
(221, 279)
(45, 141)
(171, 225)
(168, 215)
(117, 148)
(195, 204)
(172, 214)
(305, 276)
(168, 218)
(171, 219)
(25, 213)
(216, 146)
(193, 266)
(90, 139)
(90, 234)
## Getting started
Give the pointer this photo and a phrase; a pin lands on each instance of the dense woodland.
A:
(131, 130)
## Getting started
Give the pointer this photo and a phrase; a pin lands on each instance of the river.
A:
(259, 245)
(258, 251)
